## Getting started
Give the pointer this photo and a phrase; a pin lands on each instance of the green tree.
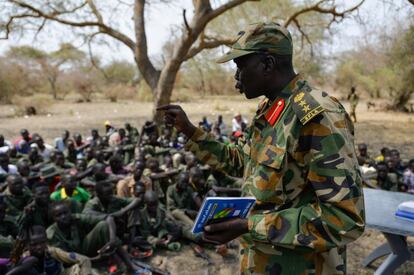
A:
(15, 80)
(402, 62)
(120, 72)
(48, 64)
(381, 70)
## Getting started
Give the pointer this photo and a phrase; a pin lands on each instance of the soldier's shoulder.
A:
(329, 102)
(309, 102)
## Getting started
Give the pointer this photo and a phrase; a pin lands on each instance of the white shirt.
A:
(45, 153)
(12, 170)
(6, 147)
(237, 126)
(60, 144)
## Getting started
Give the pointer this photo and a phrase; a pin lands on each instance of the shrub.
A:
(117, 92)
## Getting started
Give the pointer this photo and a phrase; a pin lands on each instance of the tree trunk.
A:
(54, 90)
(163, 91)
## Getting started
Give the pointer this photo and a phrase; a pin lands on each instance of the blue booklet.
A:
(404, 215)
(405, 211)
(215, 209)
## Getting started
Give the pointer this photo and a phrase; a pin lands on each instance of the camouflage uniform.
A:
(38, 216)
(153, 229)
(95, 207)
(78, 264)
(58, 261)
(16, 204)
(157, 184)
(88, 234)
(177, 202)
(133, 135)
(299, 162)
(225, 181)
(42, 216)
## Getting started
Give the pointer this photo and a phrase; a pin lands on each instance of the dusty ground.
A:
(378, 129)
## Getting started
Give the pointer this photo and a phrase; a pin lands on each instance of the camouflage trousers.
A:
(83, 265)
(283, 261)
(180, 215)
(185, 222)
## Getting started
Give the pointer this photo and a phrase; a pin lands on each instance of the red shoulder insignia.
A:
(274, 112)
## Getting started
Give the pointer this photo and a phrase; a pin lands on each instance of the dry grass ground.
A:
(378, 129)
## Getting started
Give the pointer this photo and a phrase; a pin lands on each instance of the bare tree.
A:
(87, 15)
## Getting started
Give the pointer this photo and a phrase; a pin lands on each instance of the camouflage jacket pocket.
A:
(265, 181)
(269, 155)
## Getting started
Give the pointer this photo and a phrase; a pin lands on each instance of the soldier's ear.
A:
(269, 62)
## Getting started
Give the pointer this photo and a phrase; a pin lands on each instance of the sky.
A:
(347, 35)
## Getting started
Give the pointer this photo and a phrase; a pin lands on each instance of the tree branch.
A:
(225, 7)
(149, 72)
(203, 15)
(337, 16)
(208, 43)
(91, 57)
(95, 11)
(54, 17)
(186, 22)
(304, 35)
(10, 23)
(40, 28)
(318, 8)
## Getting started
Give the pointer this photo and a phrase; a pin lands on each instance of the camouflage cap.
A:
(260, 38)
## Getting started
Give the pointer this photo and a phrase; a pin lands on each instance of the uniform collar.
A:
(266, 104)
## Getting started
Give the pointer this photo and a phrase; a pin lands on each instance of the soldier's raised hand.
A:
(174, 115)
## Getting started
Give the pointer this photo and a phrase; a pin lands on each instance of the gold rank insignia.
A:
(299, 97)
(305, 106)
(302, 103)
